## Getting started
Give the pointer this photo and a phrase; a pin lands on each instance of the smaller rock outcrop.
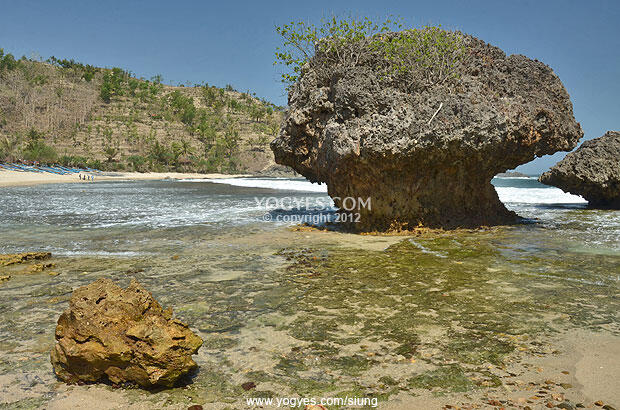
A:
(592, 171)
(17, 258)
(511, 174)
(116, 335)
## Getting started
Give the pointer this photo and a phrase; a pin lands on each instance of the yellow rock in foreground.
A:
(116, 335)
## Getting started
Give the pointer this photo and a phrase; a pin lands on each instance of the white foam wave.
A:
(537, 196)
(271, 183)
(104, 254)
(424, 249)
(506, 194)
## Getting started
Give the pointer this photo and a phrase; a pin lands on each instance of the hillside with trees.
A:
(74, 114)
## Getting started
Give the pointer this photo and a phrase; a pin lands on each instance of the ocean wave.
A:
(515, 178)
(546, 195)
(537, 196)
(271, 183)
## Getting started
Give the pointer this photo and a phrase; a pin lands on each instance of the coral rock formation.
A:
(424, 155)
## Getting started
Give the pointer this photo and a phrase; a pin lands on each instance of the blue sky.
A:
(232, 42)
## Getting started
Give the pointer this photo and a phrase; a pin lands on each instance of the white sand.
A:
(597, 369)
(16, 178)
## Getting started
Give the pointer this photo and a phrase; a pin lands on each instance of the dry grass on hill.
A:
(65, 112)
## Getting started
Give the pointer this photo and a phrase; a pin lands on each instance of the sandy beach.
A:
(16, 178)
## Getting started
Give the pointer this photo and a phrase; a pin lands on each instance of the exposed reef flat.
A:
(457, 318)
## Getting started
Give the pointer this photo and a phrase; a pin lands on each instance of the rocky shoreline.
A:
(443, 301)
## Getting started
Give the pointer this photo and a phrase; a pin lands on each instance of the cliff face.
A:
(425, 155)
(113, 120)
(592, 171)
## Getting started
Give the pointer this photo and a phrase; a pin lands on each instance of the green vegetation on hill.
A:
(63, 111)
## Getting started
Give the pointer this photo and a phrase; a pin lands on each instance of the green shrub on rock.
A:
(417, 57)
(421, 57)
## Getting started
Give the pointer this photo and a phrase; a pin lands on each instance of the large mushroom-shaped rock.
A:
(424, 155)
(592, 171)
(116, 335)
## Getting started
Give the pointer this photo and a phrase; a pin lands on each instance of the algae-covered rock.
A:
(17, 258)
(25, 263)
(424, 153)
(592, 171)
(40, 267)
(116, 335)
